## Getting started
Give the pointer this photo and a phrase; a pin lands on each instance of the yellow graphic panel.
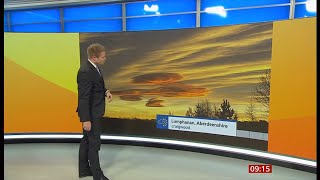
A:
(53, 56)
(40, 89)
(292, 119)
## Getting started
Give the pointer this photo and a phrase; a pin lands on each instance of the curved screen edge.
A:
(210, 147)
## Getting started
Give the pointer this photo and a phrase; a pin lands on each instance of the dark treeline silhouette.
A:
(204, 109)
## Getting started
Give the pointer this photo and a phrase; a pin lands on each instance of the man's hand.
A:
(109, 96)
(86, 125)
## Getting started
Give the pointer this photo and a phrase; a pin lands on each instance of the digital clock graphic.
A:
(260, 168)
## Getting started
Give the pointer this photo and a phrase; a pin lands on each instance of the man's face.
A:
(101, 59)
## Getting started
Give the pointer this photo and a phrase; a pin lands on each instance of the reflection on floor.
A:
(59, 161)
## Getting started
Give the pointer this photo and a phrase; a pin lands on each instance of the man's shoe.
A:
(85, 174)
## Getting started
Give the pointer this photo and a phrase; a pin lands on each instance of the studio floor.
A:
(59, 161)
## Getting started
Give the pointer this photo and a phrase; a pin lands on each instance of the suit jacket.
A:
(91, 93)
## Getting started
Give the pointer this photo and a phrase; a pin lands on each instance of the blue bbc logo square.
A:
(162, 121)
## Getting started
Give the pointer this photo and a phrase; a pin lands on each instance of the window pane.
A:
(112, 25)
(162, 22)
(301, 1)
(32, 16)
(47, 27)
(5, 18)
(92, 12)
(302, 10)
(245, 16)
(5, 28)
(239, 3)
(160, 7)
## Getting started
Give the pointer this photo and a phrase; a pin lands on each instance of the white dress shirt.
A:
(95, 66)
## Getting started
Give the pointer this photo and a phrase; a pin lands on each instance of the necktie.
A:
(98, 70)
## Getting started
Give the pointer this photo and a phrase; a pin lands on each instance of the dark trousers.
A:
(89, 150)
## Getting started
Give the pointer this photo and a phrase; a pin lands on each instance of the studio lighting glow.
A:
(219, 10)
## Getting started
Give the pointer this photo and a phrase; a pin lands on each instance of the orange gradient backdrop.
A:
(40, 83)
(292, 118)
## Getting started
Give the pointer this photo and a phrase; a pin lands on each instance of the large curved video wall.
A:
(250, 86)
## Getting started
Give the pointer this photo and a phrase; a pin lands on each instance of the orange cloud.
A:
(131, 97)
(128, 92)
(170, 90)
(156, 78)
(154, 102)
(178, 90)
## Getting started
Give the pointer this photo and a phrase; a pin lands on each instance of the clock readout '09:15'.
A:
(260, 168)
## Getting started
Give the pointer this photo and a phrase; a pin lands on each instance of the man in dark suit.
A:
(91, 108)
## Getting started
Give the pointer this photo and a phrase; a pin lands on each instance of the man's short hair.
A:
(95, 50)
